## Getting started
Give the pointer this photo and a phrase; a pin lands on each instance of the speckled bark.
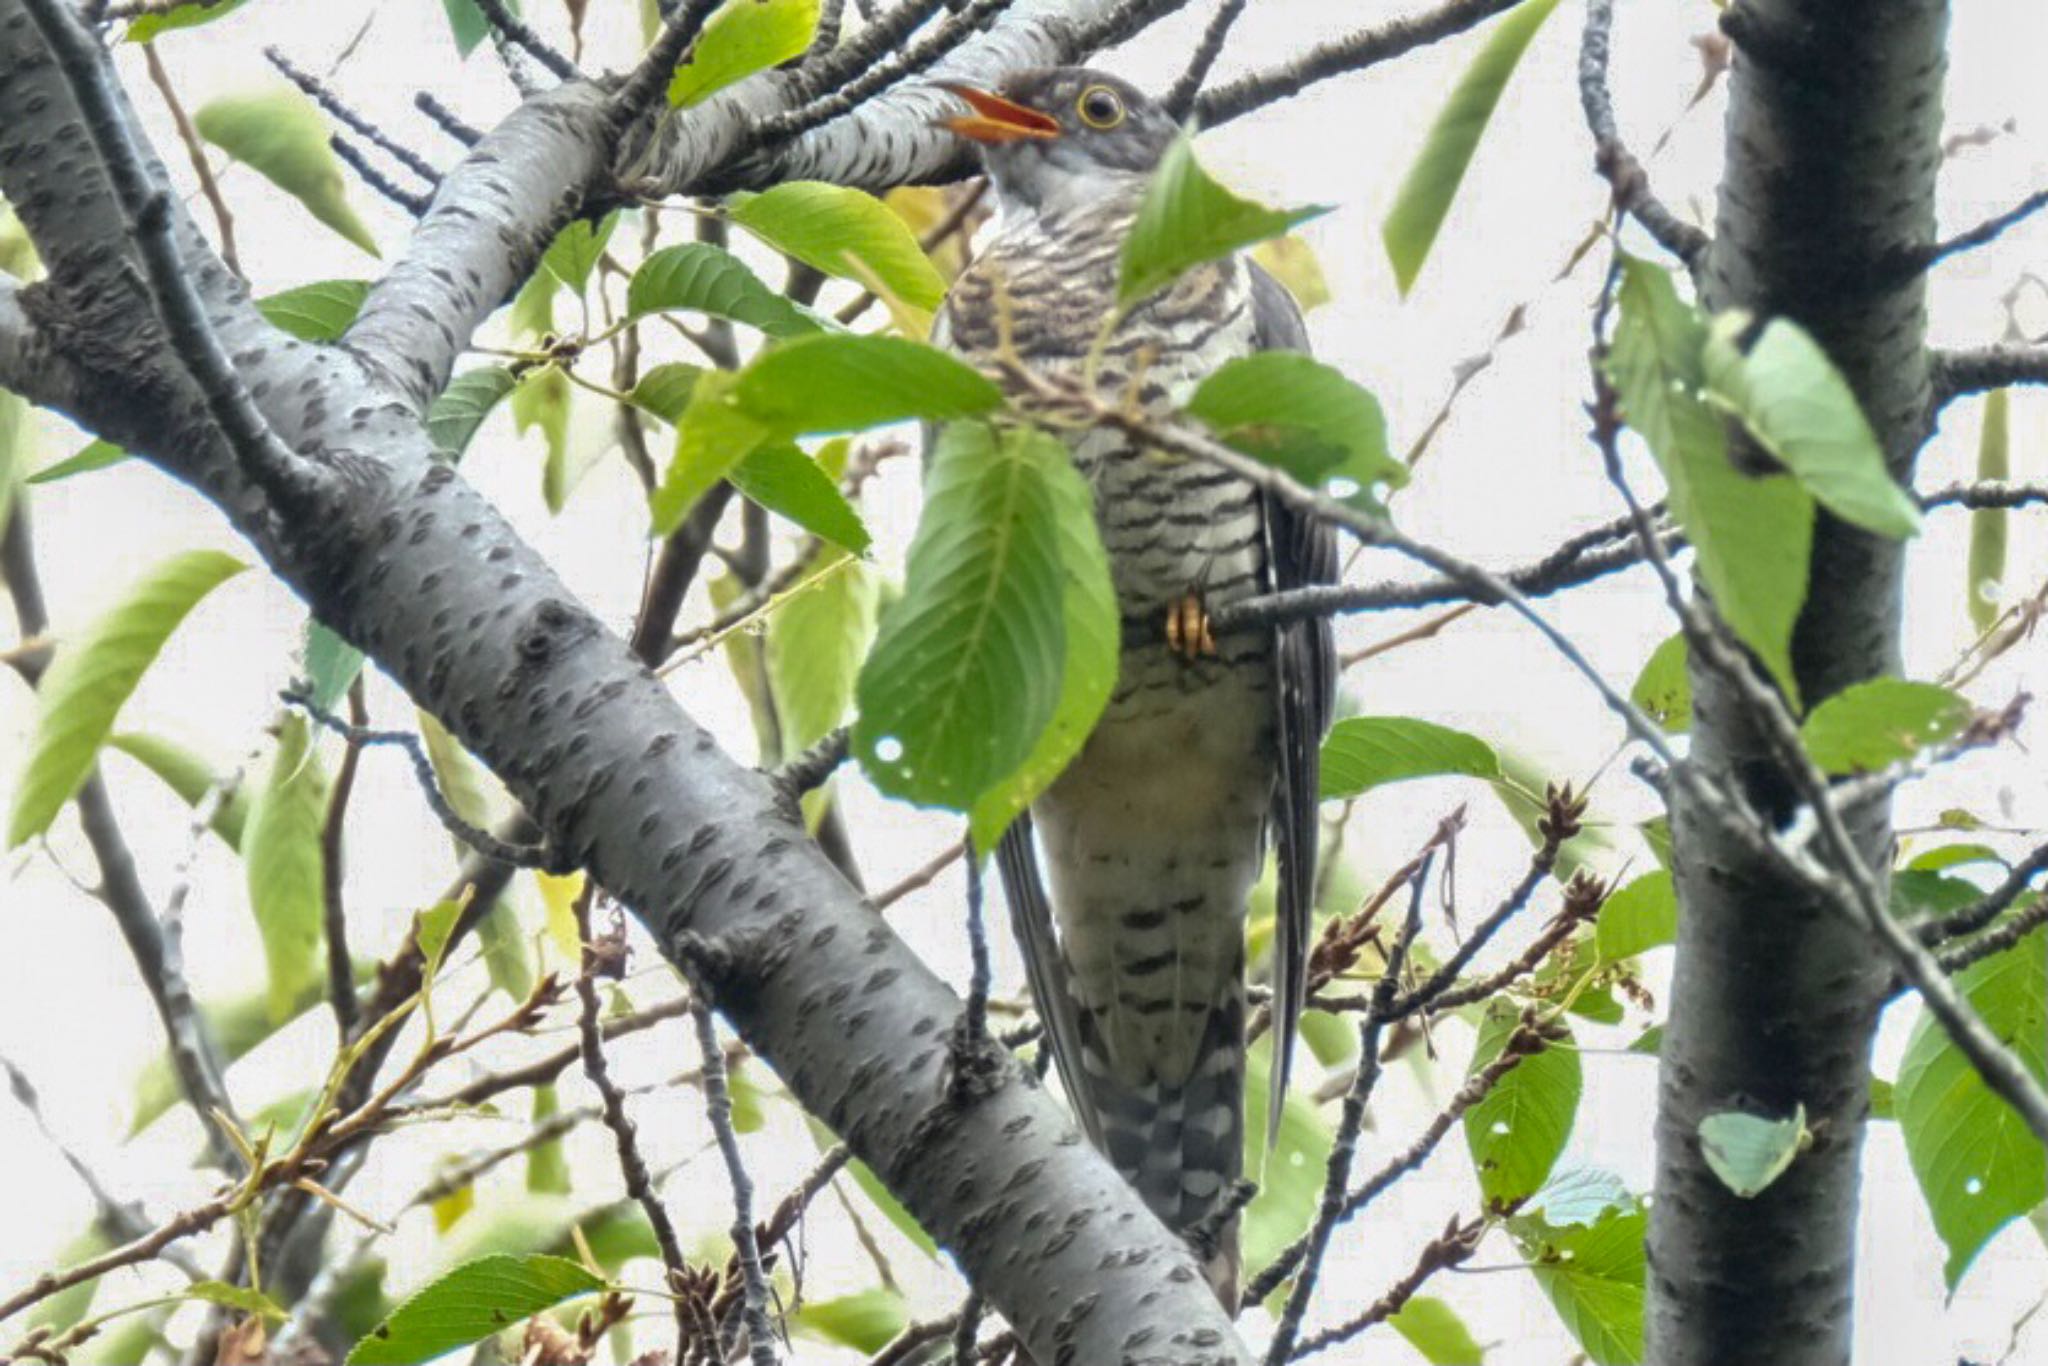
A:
(414, 566)
(1833, 147)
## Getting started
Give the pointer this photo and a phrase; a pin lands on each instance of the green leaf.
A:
(470, 1303)
(714, 435)
(235, 1297)
(1790, 397)
(781, 478)
(1578, 1197)
(541, 400)
(319, 312)
(508, 957)
(145, 28)
(434, 927)
(1291, 1180)
(1977, 1163)
(1885, 721)
(332, 664)
(666, 389)
(282, 859)
(749, 1112)
(1638, 917)
(744, 37)
(281, 135)
(866, 1321)
(1663, 689)
(1363, 752)
(1749, 1152)
(1986, 577)
(850, 235)
(576, 249)
(1753, 536)
(468, 23)
(1518, 1130)
(1593, 1275)
(1294, 412)
(816, 641)
(1434, 1329)
(698, 277)
(547, 1165)
(92, 675)
(1292, 261)
(97, 455)
(1953, 856)
(1088, 669)
(190, 776)
(966, 670)
(1186, 219)
(453, 421)
(847, 383)
(1424, 199)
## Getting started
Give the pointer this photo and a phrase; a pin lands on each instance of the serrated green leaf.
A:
(850, 235)
(1748, 1152)
(547, 1165)
(282, 860)
(715, 434)
(470, 1303)
(1593, 1276)
(743, 37)
(966, 670)
(282, 136)
(1977, 1163)
(1639, 917)
(1363, 752)
(147, 27)
(1790, 397)
(1517, 1131)
(1088, 666)
(1885, 721)
(455, 416)
(1424, 199)
(698, 277)
(1434, 1329)
(1578, 1196)
(1291, 1181)
(432, 928)
(96, 455)
(665, 390)
(1753, 536)
(842, 382)
(191, 777)
(781, 478)
(1664, 689)
(332, 664)
(1985, 580)
(866, 1321)
(1294, 412)
(235, 1297)
(816, 641)
(576, 250)
(91, 676)
(319, 312)
(1188, 218)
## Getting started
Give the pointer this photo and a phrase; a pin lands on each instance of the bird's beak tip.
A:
(995, 119)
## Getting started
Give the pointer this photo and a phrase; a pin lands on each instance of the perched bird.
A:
(1156, 832)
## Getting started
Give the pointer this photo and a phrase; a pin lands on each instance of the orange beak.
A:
(995, 119)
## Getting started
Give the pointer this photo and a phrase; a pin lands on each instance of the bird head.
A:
(1064, 136)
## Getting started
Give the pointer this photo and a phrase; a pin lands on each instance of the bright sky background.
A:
(1508, 477)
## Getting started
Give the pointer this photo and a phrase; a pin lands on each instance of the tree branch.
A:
(1977, 369)
(1616, 164)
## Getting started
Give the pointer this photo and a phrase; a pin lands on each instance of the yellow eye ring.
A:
(1100, 107)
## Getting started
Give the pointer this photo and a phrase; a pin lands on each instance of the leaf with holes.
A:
(282, 861)
(91, 676)
(1977, 1163)
(1188, 218)
(474, 1301)
(966, 670)
(1664, 689)
(1424, 199)
(850, 235)
(1753, 536)
(698, 277)
(1517, 1131)
(1749, 1152)
(1790, 397)
(1364, 752)
(282, 136)
(1294, 412)
(1883, 722)
(743, 37)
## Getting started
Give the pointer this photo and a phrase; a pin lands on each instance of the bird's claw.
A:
(1188, 634)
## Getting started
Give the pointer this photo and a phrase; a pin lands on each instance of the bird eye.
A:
(1099, 107)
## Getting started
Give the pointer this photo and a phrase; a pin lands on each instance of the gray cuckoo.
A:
(1155, 834)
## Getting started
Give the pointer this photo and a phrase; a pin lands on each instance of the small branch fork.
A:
(1616, 164)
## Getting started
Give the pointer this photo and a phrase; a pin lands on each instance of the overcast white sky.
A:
(1508, 477)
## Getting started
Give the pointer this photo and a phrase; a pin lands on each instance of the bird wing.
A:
(1045, 966)
(1300, 550)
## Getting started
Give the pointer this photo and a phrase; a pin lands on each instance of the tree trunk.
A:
(1833, 146)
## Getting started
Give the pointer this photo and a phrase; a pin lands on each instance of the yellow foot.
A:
(1187, 628)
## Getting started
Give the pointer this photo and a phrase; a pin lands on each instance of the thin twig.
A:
(341, 981)
(918, 878)
(1454, 1245)
(1914, 260)
(516, 31)
(447, 120)
(1180, 100)
(195, 152)
(323, 95)
(1616, 164)
(746, 1245)
(1976, 369)
(412, 202)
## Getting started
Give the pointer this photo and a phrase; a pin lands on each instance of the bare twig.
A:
(1974, 370)
(1618, 165)
(1912, 261)
(1453, 1246)
(333, 104)
(413, 203)
(918, 878)
(447, 120)
(746, 1243)
(195, 152)
(1180, 100)
(516, 31)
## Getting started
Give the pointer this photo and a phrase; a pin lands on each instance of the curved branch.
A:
(1617, 165)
